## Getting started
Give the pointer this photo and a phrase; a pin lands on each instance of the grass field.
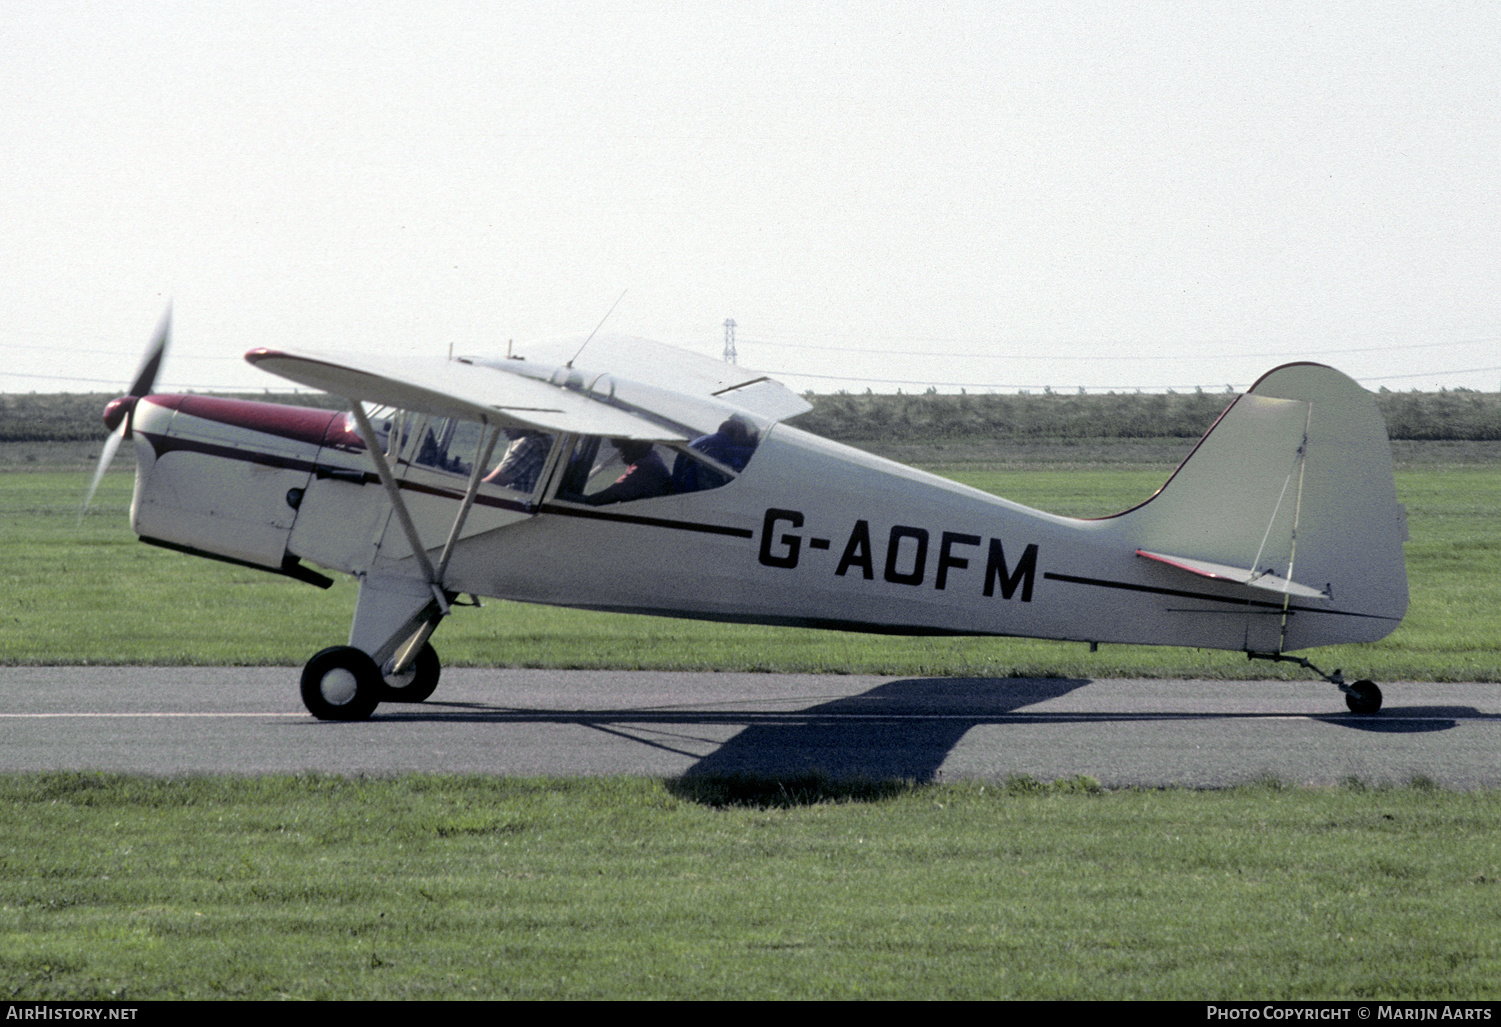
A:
(439, 887)
(421, 887)
(92, 594)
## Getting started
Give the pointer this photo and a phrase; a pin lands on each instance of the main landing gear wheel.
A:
(1363, 697)
(415, 683)
(341, 683)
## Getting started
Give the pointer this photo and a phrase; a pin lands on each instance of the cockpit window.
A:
(598, 472)
(523, 460)
(710, 458)
(452, 444)
(603, 471)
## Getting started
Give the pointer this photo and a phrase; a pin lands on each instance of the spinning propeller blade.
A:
(151, 363)
(117, 415)
(110, 445)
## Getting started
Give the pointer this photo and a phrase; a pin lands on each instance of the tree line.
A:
(1457, 415)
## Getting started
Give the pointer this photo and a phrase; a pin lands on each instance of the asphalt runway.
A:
(250, 720)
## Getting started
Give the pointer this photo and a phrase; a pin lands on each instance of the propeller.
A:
(117, 415)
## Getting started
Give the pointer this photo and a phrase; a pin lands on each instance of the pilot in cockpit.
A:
(645, 476)
(523, 461)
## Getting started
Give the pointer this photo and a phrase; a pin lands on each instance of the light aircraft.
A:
(672, 484)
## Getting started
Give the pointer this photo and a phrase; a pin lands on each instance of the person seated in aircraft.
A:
(430, 454)
(732, 445)
(523, 461)
(645, 475)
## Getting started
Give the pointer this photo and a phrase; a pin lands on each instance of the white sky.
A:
(882, 195)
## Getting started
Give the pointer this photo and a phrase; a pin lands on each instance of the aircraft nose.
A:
(116, 410)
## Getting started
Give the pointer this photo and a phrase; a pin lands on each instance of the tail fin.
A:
(1291, 492)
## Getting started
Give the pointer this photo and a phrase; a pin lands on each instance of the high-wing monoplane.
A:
(672, 484)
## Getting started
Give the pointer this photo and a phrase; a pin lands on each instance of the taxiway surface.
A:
(250, 720)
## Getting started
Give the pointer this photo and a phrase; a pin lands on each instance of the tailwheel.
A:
(1363, 697)
(341, 683)
(415, 683)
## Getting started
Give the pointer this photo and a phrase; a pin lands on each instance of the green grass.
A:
(439, 887)
(436, 887)
(93, 594)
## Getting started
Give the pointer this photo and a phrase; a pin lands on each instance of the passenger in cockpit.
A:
(645, 476)
(732, 445)
(523, 461)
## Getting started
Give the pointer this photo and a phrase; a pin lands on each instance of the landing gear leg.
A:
(1361, 697)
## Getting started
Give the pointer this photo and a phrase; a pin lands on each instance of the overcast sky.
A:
(987, 195)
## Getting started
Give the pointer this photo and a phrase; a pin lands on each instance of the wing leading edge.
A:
(452, 389)
(539, 396)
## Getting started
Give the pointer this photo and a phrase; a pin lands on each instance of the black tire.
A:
(419, 681)
(341, 683)
(1363, 697)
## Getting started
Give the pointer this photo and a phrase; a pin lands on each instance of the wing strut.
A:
(372, 444)
(490, 434)
(487, 446)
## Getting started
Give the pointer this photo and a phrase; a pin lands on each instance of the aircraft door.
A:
(435, 464)
(347, 521)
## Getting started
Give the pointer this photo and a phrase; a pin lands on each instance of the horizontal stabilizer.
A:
(1238, 575)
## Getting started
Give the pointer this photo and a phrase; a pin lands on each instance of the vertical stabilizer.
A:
(1291, 492)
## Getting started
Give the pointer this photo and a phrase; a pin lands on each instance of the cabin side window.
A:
(450, 445)
(602, 471)
(523, 456)
(713, 460)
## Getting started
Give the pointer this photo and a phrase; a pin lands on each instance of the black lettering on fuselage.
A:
(857, 552)
(995, 570)
(792, 543)
(946, 557)
(906, 561)
(919, 558)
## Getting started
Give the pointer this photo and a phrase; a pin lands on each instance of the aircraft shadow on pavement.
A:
(930, 715)
(1408, 720)
(899, 730)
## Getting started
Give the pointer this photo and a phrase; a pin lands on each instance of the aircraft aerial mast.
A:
(729, 340)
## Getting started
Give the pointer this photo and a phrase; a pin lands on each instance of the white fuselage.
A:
(810, 533)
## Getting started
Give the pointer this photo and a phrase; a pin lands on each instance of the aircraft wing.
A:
(459, 389)
(661, 367)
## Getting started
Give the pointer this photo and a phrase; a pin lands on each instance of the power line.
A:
(116, 384)
(1093, 388)
(1428, 374)
(120, 353)
(1095, 358)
